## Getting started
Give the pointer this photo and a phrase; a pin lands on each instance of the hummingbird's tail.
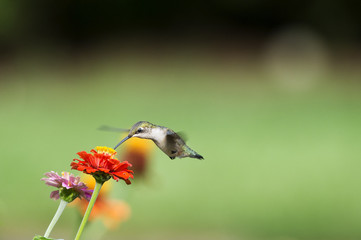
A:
(188, 152)
(197, 156)
(194, 154)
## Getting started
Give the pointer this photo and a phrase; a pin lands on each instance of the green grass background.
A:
(279, 163)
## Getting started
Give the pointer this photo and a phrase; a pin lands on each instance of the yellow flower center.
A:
(106, 151)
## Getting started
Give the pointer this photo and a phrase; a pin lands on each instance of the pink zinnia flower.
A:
(69, 186)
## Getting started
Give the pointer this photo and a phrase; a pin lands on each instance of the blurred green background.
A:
(269, 94)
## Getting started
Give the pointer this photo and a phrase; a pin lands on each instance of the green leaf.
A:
(38, 237)
(41, 238)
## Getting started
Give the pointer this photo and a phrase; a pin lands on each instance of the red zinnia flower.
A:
(102, 164)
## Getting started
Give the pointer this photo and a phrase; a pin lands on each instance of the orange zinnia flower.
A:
(102, 164)
(137, 151)
(110, 211)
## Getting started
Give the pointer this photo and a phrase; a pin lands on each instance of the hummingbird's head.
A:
(141, 129)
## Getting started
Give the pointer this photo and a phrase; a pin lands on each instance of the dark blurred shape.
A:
(138, 160)
(80, 23)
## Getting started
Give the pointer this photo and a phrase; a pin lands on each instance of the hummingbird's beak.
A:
(124, 139)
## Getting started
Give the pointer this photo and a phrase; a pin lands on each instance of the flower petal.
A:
(54, 195)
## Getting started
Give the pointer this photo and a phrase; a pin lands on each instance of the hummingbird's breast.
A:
(168, 142)
(159, 137)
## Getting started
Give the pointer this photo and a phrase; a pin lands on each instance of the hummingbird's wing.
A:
(177, 147)
(174, 141)
(112, 129)
(182, 135)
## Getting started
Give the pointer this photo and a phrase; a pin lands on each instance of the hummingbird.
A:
(165, 138)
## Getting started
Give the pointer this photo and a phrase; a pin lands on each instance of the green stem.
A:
(56, 217)
(89, 209)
